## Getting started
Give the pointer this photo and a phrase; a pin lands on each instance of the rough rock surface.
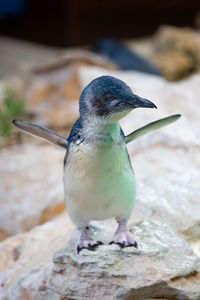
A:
(163, 267)
(168, 187)
(26, 258)
(31, 187)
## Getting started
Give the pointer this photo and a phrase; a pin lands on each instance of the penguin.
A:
(99, 181)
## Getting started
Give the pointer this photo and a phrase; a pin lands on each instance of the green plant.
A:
(13, 107)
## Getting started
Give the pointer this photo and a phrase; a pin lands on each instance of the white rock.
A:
(163, 267)
(168, 187)
(31, 187)
(26, 259)
(155, 270)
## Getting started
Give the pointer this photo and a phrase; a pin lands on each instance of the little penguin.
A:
(99, 181)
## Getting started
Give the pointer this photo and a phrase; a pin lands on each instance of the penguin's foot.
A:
(86, 242)
(123, 237)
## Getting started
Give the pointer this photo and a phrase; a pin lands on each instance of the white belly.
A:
(99, 183)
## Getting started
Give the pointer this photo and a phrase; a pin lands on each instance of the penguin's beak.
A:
(138, 101)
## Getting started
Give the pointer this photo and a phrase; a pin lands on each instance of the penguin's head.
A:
(110, 98)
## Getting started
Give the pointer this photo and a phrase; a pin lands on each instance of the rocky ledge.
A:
(163, 267)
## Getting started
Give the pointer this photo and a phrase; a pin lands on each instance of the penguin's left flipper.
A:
(41, 132)
(151, 127)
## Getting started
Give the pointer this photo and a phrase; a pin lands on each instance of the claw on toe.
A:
(125, 244)
(90, 246)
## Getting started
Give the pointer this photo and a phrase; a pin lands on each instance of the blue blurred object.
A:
(125, 58)
(11, 8)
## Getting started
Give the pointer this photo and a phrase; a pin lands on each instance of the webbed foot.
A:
(86, 242)
(123, 237)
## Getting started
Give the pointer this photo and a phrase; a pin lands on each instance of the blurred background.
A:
(49, 51)
(66, 23)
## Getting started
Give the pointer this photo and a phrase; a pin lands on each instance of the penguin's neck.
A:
(101, 131)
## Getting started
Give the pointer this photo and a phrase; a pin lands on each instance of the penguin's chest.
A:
(98, 180)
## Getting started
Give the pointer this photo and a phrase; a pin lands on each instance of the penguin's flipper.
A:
(151, 127)
(41, 132)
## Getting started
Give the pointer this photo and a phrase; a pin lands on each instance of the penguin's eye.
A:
(109, 98)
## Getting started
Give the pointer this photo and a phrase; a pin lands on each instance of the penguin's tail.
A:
(41, 132)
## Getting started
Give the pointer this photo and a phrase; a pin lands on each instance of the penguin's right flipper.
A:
(41, 132)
